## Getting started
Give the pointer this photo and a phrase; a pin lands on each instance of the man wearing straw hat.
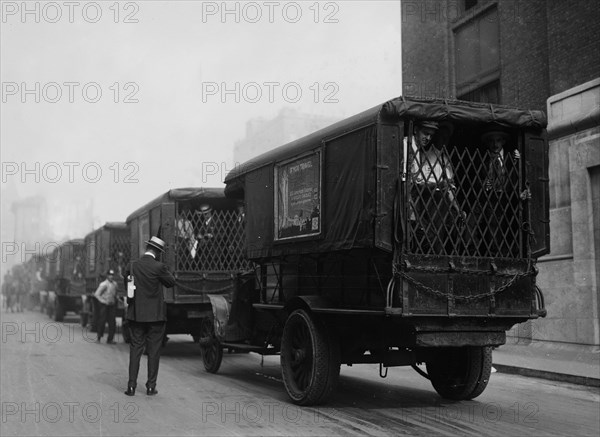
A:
(147, 313)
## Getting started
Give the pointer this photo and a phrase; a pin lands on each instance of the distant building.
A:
(263, 135)
(536, 54)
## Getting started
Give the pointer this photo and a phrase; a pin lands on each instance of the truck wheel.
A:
(59, 312)
(310, 359)
(212, 352)
(460, 373)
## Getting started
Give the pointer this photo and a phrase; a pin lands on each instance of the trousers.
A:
(107, 313)
(149, 335)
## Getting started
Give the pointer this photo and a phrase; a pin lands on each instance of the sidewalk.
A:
(554, 361)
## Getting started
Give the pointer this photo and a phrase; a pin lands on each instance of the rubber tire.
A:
(486, 371)
(310, 359)
(460, 373)
(212, 353)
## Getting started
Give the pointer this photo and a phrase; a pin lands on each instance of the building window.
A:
(477, 56)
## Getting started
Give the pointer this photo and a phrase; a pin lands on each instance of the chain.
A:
(217, 290)
(471, 298)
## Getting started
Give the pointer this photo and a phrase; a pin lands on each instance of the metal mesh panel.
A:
(120, 250)
(210, 242)
(466, 203)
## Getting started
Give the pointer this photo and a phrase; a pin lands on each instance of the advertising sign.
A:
(298, 197)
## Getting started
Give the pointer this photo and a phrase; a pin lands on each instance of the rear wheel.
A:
(310, 359)
(460, 373)
(212, 352)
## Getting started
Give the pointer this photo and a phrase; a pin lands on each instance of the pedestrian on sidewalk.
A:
(147, 312)
(106, 294)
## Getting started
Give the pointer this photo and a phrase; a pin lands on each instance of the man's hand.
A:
(525, 194)
(516, 154)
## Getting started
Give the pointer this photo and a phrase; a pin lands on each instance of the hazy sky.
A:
(169, 74)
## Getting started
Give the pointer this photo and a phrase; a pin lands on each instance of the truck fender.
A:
(221, 310)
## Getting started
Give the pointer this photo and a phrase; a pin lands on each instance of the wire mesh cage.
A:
(210, 241)
(465, 202)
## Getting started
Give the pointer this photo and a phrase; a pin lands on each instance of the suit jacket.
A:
(148, 305)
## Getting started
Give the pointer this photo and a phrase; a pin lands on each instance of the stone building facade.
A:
(536, 54)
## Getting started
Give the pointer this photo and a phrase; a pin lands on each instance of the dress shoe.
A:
(111, 342)
(151, 391)
(130, 391)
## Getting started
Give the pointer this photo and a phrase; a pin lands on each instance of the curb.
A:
(544, 374)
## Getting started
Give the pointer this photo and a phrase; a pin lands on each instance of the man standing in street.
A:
(106, 296)
(147, 313)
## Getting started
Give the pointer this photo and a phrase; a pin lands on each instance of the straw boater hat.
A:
(495, 133)
(156, 243)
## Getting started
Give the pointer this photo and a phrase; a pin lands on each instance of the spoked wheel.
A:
(310, 359)
(212, 352)
(460, 373)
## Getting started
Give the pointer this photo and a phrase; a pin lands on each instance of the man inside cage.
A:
(433, 208)
(501, 198)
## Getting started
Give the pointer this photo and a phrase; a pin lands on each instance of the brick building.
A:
(537, 54)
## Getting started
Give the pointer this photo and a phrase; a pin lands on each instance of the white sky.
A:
(166, 57)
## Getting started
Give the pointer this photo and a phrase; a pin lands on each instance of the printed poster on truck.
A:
(298, 197)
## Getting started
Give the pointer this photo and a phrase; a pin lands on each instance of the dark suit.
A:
(147, 315)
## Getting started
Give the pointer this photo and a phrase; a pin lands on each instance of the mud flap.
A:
(221, 310)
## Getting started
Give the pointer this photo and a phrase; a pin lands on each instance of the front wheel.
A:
(212, 352)
(460, 373)
(310, 359)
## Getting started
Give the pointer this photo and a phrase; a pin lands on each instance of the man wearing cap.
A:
(106, 295)
(147, 313)
(433, 189)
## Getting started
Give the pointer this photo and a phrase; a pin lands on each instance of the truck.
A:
(358, 260)
(66, 279)
(107, 248)
(202, 231)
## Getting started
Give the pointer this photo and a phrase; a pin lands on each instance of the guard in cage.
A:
(434, 209)
(206, 239)
(500, 209)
